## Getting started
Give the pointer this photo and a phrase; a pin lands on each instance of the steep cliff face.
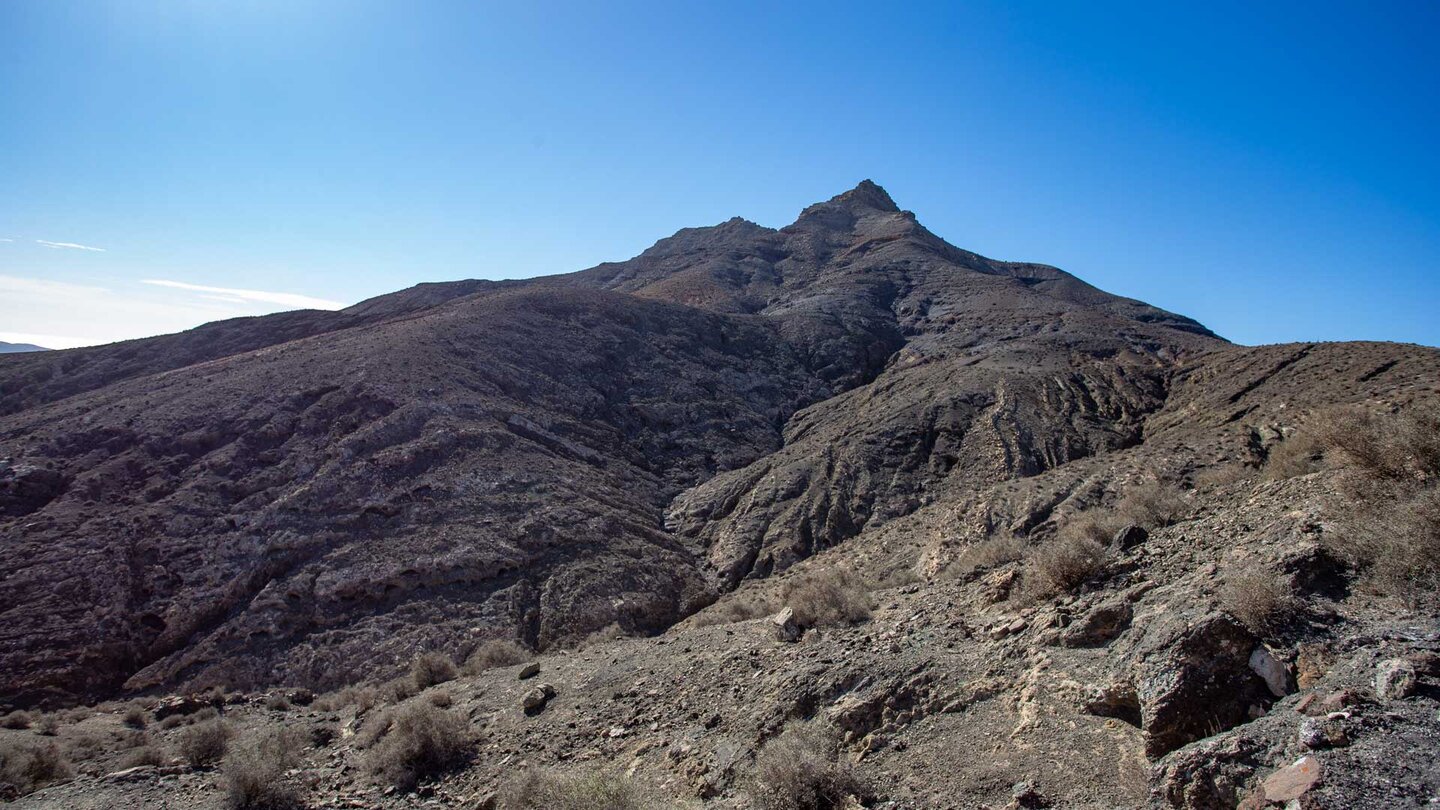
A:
(312, 498)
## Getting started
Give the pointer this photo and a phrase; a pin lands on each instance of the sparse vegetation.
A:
(736, 607)
(1258, 599)
(1299, 453)
(16, 720)
(828, 596)
(254, 771)
(134, 717)
(540, 789)
(203, 744)
(1065, 563)
(432, 668)
(986, 554)
(1152, 505)
(497, 652)
(143, 755)
(1391, 535)
(802, 770)
(277, 701)
(25, 768)
(420, 741)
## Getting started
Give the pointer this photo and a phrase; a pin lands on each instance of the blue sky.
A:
(1270, 169)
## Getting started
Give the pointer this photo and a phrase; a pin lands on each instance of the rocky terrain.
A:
(990, 535)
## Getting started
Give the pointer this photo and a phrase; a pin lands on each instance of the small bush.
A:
(802, 770)
(440, 699)
(144, 755)
(1391, 447)
(1394, 542)
(735, 607)
(421, 741)
(399, 689)
(1064, 564)
(431, 668)
(1152, 505)
(1222, 475)
(16, 720)
(277, 702)
(47, 725)
(827, 597)
(204, 743)
(988, 553)
(134, 717)
(1296, 455)
(254, 772)
(497, 652)
(540, 789)
(26, 768)
(1257, 598)
(172, 722)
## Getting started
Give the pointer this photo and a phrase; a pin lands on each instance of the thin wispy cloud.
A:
(262, 296)
(67, 246)
(2, 239)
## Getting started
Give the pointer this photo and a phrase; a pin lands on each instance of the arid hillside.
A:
(837, 508)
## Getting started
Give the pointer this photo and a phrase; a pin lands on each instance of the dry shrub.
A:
(399, 690)
(736, 607)
(173, 721)
(540, 789)
(432, 668)
(1402, 447)
(25, 768)
(989, 553)
(1395, 544)
(16, 720)
(277, 702)
(1298, 454)
(363, 698)
(440, 699)
(134, 717)
(1391, 533)
(1152, 505)
(829, 596)
(497, 652)
(1065, 563)
(254, 771)
(47, 725)
(420, 741)
(1259, 599)
(144, 755)
(204, 743)
(802, 770)
(1222, 475)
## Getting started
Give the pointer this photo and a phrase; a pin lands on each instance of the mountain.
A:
(314, 499)
(15, 348)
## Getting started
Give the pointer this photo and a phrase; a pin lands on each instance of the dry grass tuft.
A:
(144, 755)
(1153, 505)
(540, 789)
(420, 741)
(25, 768)
(1258, 599)
(829, 596)
(1391, 533)
(736, 607)
(134, 717)
(254, 771)
(432, 668)
(986, 554)
(16, 720)
(802, 770)
(495, 653)
(204, 743)
(1065, 563)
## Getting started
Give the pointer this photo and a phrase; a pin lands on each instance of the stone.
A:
(1026, 796)
(535, 700)
(178, 704)
(1292, 781)
(1100, 626)
(1129, 537)
(784, 627)
(1395, 679)
(529, 670)
(1272, 670)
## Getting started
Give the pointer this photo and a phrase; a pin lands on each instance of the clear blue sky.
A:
(1269, 168)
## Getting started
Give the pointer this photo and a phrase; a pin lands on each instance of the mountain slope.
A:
(312, 498)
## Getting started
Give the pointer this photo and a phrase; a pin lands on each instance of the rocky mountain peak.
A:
(843, 211)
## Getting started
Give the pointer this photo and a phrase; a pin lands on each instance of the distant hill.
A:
(13, 348)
